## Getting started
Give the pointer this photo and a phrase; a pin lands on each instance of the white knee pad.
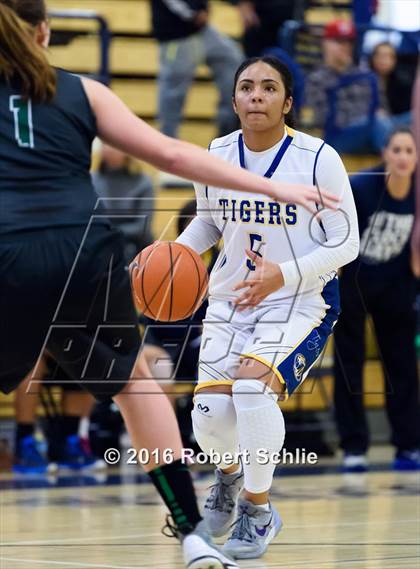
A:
(261, 431)
(214, 424)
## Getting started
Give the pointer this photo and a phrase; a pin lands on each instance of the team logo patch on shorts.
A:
(299, 366)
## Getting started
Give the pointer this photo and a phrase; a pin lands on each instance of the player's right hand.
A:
(266, 279)
(306, 196)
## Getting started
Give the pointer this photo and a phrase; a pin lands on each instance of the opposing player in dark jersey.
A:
(63, 284)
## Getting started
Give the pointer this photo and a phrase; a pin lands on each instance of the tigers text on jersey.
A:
(308, 249)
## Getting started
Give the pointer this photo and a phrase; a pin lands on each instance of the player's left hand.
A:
(266, 278)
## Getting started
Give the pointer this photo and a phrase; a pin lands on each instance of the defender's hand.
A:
(307, 196)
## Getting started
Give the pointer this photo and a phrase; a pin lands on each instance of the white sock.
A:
(260, 426)
(263, 507)
(238, 470)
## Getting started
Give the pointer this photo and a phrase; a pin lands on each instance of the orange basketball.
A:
(169, 281)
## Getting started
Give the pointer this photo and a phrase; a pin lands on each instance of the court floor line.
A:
(289, 565)
(77, 540)
(334, 562)
(360, 523)
(72, 563)
(278, 544)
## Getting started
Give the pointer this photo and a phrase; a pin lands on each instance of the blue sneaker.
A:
(29, 458)
(406, 460)
(254, 529)
(77, 457)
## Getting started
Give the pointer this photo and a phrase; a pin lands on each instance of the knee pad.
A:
(260, 427)
(252, 393)
(214, 423)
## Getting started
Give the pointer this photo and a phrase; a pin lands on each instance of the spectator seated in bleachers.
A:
(128, 195)
(261, 20)
(186, 40)
(341, 99)
(395, 85)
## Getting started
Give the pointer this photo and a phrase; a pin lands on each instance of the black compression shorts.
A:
(66, 292)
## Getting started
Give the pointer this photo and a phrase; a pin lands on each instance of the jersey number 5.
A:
(255, 239)
(22, 115)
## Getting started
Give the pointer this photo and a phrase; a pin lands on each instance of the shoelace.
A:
(219, 498)
(171, 530)
(242, 527)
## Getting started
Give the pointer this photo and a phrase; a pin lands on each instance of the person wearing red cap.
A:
(343, 30)
(352, 127)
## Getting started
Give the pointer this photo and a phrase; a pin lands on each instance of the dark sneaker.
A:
(407, 460)
(76, 457)
(29, 458)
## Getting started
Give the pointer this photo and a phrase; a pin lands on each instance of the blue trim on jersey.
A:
(316, 162)
(306, 353)
(277, 157)
(314, 181)
(207, 188)
(241, 151)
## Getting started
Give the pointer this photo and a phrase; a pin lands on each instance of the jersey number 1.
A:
(22, 115)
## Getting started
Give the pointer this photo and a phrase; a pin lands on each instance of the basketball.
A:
(169, 281)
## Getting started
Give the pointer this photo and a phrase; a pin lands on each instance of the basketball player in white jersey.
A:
(273, 299)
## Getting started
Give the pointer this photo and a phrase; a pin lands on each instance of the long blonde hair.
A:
(23, 62)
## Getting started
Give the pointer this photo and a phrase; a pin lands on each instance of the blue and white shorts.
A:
(288, 339)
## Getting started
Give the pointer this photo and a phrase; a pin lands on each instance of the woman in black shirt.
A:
(381, 282)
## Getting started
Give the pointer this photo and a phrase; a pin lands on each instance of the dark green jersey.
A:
(45, 154)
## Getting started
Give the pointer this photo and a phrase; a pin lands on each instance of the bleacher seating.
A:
(133, 16)
(134, 59)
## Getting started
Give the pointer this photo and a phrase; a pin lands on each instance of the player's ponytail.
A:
(23, 63)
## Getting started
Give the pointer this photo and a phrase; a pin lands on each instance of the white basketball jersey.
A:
(282, 233)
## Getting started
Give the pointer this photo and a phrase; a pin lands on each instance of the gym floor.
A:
(113, 520)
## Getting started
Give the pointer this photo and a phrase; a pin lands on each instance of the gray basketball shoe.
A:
(254, 530)
(220, 506)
